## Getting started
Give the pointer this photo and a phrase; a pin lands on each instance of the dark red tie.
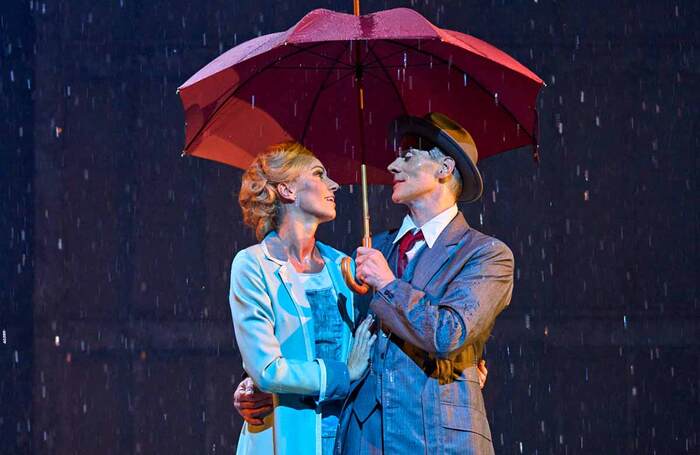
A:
(407, 242)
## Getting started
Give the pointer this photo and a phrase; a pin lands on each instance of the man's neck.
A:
(425, 209)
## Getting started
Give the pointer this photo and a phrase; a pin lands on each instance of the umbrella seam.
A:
(475, 80)
(238, 87)
(391, 81)
(316, 97)
(327, 57)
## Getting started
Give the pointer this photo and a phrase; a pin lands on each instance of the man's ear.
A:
(447, 167)
(287, 192)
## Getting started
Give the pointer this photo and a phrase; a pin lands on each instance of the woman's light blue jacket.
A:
(274, 329)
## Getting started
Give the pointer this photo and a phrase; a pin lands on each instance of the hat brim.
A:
(472, 183)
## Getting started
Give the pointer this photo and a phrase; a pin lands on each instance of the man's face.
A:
(415, 175)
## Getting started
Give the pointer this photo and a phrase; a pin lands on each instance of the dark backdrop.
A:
(115, 333)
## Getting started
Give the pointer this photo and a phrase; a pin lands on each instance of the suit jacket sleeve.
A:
(254, 324)
(443, 324)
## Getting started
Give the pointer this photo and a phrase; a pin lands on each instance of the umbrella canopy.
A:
(302, 84)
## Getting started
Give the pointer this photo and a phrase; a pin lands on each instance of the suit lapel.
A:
(387, 249)
(431, 260)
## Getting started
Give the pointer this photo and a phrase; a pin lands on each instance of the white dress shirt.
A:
(431, 229)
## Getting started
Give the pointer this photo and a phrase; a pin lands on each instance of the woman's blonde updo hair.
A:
(258, 197)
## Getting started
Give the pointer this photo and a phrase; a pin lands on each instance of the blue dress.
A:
(328, 326)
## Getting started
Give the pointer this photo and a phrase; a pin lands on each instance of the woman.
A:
(292, 311)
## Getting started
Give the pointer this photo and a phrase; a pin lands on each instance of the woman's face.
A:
(313, 191)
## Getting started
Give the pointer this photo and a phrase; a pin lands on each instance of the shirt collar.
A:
(431, 229)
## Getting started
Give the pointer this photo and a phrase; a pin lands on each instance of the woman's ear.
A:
(286, 192)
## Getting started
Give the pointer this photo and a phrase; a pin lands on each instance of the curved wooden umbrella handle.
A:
(357, 287)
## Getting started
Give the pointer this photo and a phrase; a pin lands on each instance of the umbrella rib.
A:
(315, 101)
(391, 81)
(235, 90)
(417, 65)
(301, 67)
(327, 57)
(349, 73)
(474, 80)
(377, 58)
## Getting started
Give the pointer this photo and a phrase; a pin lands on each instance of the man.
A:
(439, 287)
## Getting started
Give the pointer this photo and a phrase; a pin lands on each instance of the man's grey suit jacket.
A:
(423, 378)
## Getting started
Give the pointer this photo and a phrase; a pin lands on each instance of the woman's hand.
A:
(361, 349)
(483, 372)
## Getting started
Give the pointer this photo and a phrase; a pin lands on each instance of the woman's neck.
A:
(296, 241)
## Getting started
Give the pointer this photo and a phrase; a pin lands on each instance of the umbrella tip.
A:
(184, 152)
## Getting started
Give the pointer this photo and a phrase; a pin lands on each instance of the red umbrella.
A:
(301, 84)
(335, 81)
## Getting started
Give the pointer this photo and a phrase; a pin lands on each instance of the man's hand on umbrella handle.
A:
(252, 404)
(346, 267)
(483, 372)
(356, 287)
(372, 268)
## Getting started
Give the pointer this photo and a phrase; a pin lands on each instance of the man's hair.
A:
(455, 183)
